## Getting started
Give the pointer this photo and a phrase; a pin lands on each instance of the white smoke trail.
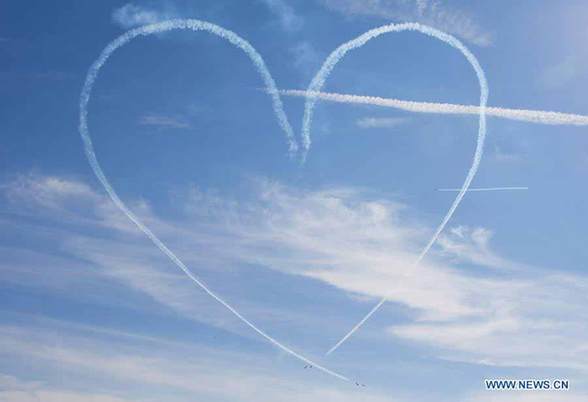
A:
(194, 25)
(484, 189)
(358, 325)
(531, 116)
(319, 80)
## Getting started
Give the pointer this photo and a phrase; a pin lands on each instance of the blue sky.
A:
(91, 310)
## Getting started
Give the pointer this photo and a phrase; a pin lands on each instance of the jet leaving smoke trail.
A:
(484, 189)
(194, 25)
(531, 116)
(319, 80)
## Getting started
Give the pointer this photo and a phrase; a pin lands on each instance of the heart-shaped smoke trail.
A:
(193, 25)
(319, 80)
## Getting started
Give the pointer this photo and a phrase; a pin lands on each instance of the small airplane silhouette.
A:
(359, 385)
(308, 366)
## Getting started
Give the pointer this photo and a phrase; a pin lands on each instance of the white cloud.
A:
(124, 367)
(558, 75)
(380, 122)
(429, 12)
(363, 246)
(48, 191)
(57, 395)
(518, 396)
(506, 156)
(472, 245)
(289, 20)
(163, 121)
(69, 201)
(305, 56)
(524, 322)
(131, 15)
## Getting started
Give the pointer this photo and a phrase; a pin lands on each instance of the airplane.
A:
(308, 366)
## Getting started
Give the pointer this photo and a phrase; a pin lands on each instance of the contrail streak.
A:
(358, 325)
(194, 25)
(318, 82)
(531, 116)
(484, 189)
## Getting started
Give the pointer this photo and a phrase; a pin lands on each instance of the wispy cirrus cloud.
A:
(164, 121)
(305, 56)
(380, 122)
(49, 191)
(288, 18)
(518, 396)
(472, 245)
(558, 75)
(14, 389)
(100, 365)
(430, 12)
(132, 15)
(359, 245)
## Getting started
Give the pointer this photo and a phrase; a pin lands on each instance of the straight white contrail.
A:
(318, 82)
(358, 325)
(484, 189)
(194, 25)
(531, 116)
